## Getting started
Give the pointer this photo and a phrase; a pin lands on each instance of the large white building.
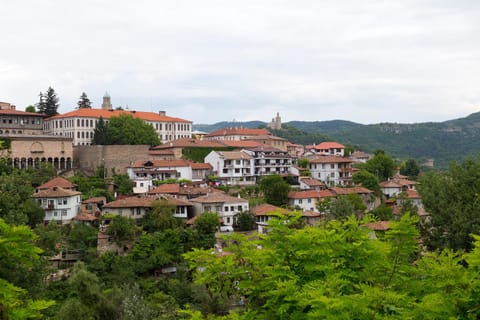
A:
(234, 167)
(80, 124)
(332, 170)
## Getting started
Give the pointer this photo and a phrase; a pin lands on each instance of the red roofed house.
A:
(263, 213)
(330, 148)
(143, 173)
(332, 170)
(394, 186)
(80, 123)
(227, 207)
(59, 200)
(308, 200)
(307, 183)
(367, 195)
(236, 134)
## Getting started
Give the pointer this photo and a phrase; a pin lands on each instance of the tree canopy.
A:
(453, 202)
(48, 103)
(275, 189)
(84, 102)
(125, 129)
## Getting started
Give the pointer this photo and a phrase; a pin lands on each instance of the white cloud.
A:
(213, 60)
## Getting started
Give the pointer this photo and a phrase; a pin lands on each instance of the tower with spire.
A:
(276, 122)
(106, 104)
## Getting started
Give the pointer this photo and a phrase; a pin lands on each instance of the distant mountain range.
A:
(441, 141)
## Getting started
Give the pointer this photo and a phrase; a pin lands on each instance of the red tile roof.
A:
(310, 194)
(85, 217)
(329, 145)
(238, 131)
(240, 143)
(377, 225)
(266, 209)
(312, 182)
(56, 192)
(201, 166)
(345, 191)
(57, 182)
(235, 155)
(130, 202)
(166, 188)
(160, 163)
(95, 200)
(330, 159)
(412, 194)
(8, 112)
(188, 142)
(217, 198)
(107, 114)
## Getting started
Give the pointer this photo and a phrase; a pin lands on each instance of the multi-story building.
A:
(227, 207)
(332, 170)
(80, 124)
(236, 134)
(233, 167)
(59, 199)
(268, 160)
(15, 122)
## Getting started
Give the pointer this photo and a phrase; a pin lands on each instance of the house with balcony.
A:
(329, 148)
(268, 160)
(332, 170)
(227, 207)
(60, 205)
(395, 185)
(232, 167)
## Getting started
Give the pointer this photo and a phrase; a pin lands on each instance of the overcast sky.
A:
(209, 61)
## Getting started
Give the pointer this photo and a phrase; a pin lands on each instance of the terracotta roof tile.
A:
(329, 145)
(130, 202)
(235, 155)
(345, 191)
(330, 159)
(240, 143)
(56, 192)
(312, 182)
(216, 198)
(238, 131)
(107, 114)
(57, 182)
(310, 194)
(159, 163)
(172, 188)
(188, 142)
(266, 209)
(377, 225)
(20, 113)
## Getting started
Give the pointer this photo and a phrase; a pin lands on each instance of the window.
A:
(139, 212)
(65, 200)
(300, 201)
(55, 213)
(309, 201)
(59, 201)
(64, 213)
(225, 209)
(332, 166)
(239, 208)
(232, 208)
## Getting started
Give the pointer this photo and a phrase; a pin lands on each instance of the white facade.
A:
(332, 170)
(235, 167)
(59, 204)
(225, 206)
(80, 124)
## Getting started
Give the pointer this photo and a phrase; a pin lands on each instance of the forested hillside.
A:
(441, 141)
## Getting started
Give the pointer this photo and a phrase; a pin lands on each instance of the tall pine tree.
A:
(84, 102)
(51, 102)
(100, 135)
(41, 103)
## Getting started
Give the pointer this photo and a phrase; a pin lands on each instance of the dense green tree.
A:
(48, 104)
(333, 271)
(16, 190)
(383, 213)
(381, 165)
(43, 173)
(18, 256)
(84, 102)
(122, 229)
(366, 179)
(125, 129)
(205, 226)
(410, 168)
(303, 162)
(41, 106)
(122, 184)
(275, 189)
(161, 217)
(49, 237)
(100, 135)
(245, 221)
(30, 108)
(82, 238)
(453, 202)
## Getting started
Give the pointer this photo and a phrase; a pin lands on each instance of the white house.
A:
(332, 170)
(269, 160)
(227, 207)
(329, 148)
(234, 167)
(394, 186)
(60, 204)
(307, 200)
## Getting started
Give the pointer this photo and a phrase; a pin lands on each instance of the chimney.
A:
(162, 113)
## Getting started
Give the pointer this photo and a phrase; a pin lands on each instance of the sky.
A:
(207, 61)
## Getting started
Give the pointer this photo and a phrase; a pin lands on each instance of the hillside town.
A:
(90, 201)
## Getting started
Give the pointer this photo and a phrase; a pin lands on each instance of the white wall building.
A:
(332, 170)
(227, 207)
(234, 167)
